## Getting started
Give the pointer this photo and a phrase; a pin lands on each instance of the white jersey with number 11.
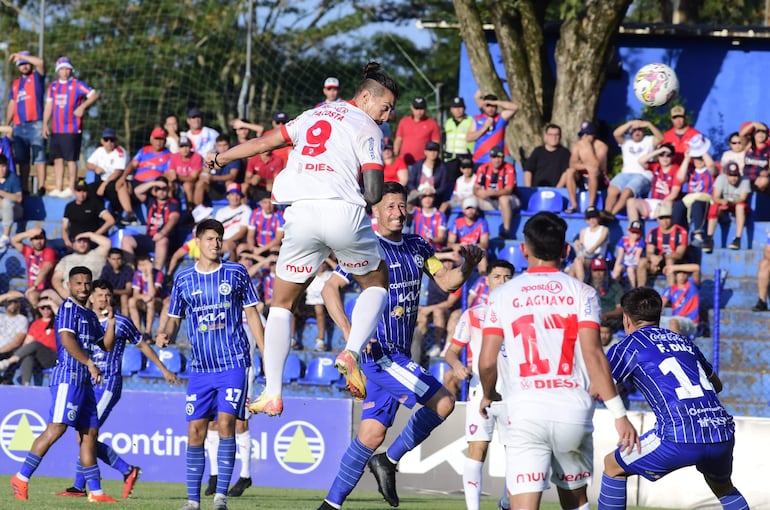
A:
(539, 315)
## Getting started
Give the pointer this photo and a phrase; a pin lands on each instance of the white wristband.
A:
(616, 407)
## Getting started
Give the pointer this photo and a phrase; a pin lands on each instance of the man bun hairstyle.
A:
(375, 79)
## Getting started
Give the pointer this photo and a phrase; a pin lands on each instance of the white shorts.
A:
(652, 207)
(476, 427)
(315, 227)
(534, 447)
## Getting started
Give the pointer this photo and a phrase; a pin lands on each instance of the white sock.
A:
(277, 346)
(581, 507)
(212, 446)
(366, 314)
(244, 449)
(472, 483)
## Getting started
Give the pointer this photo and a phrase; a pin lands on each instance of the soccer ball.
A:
(656, 84)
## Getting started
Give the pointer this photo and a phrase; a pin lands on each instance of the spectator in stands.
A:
(731, 195)
(588, 161)
(394, 168)
(427, 221)
(171, 126)
(414, 132)
(13, 326)
(82, 255)
(242, 134)
(456, 144)
(439, 305)
(608, 291)
(470, 228)
(684, 296)
(463, 187)
(666, 246)
(120, 275)
(680, 133)
(184, 169)
(331, 91)
(279, 119)
(265, 229)
(763, 278)
(212, 183)
(6, 146)
(495, 189)
(664, 187)
(634, 179)
(190, 248)
(109, 162)
(429, 170)
(261, 171)
(25, 114)
(488, 129)
(548, 163)
(757, 156)
(629, 253)
(66, 103)
(235, 218)
(38, 348)
(736, 151)
(203, 138)
(10, 207)
(698, 186)
(147, 295)
(151, 161)
(591, 244)
(243, 129)
(39, 260)
(84, 214)
(162, 219)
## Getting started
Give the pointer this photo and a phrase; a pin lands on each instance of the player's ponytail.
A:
(375, 79)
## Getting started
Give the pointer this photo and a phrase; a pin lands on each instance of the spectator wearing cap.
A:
(684, 296)
(629, 251)
(25, 114)
(213, 182)
(680, 133)
(666, 245)
(184, 169)
(39, 260)
(488, 128)
(414, 132)
(171, 125)
(698, 185)
(162, 218)
(261, 171)
(13, 327)
(588, 162)
(109, 162)
(203, 138)
(331, 92)
(427, 221)
(664, 186)
(394, 169)
(10, 201)
(82, 255)
(456, 144)
(548, 163)
(38, 348)
(470, 228)
(495, 189)
(608, 291)
(86, 213)
(429, 170)
(591, 244)
(736, 151)
(463, 187)
(151, 161)
(634, 179)
(757, 157)
(265, 229)
(66, 103)
(731, 194)
(235, 218)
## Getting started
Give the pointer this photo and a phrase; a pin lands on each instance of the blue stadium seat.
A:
(170, 357)
(257, 365)
(438, 368)
(293, 369)
(583, 200)
(512, 253)
(320, 372)
(349, 304)
(544, 200)
(133, 361)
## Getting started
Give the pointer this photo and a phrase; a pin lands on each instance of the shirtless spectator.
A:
(588, 159)
(548, 163)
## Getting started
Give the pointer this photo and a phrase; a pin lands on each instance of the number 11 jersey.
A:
(539, 315)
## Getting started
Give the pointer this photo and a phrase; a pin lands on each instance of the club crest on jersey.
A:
(419, 260)
(225, 289)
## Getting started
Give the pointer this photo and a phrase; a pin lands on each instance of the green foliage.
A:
(710, 12)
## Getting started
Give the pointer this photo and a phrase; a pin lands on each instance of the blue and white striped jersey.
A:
(110, 362)
(81, 322)
(212, 304)
(406, 261)
(672, 374)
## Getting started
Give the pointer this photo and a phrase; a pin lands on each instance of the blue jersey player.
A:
(692, 428)
(72, 386)
(212, 295)
(108, 393)
(392, 377)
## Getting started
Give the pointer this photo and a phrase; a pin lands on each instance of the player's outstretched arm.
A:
(270, 141)
(163, 338)
(452, 279)
(151, 355)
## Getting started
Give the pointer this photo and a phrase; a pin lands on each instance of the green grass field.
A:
(171, 496)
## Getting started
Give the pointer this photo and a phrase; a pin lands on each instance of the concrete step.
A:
(742, 323)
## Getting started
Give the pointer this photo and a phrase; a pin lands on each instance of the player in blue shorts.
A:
(392, 377)
(72, 386)
(212, 295)
(108, 393)
(692, 428)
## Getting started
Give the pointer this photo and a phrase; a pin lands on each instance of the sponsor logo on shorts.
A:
(189, 409)
(363, 263)
(299, 269)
